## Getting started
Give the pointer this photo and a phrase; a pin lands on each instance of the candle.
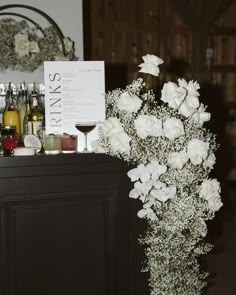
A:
(52, 144)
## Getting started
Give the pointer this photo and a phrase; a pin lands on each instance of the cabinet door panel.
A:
(61, 246)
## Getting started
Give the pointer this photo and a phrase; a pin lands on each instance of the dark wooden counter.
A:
(68, 227)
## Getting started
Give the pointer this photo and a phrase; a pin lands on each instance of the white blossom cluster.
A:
(25, 48)
(172, 155)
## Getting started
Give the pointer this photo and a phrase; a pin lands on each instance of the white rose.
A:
(192, 87)
(148, 125)
(120, 142)
(210, 190)
(181, 95)
(182, 83)
(129, 102)
(197, 151)
(201, 116)
(215, 204)
(173, 128)
(172, 94)
(21, 44)
(192, 101)
(34, 47)
(186, 109)
(111, 126)
(178, 160)
(210, 161)
(168, 92)
(150, 65)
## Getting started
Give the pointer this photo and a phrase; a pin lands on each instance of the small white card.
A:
(74, 91)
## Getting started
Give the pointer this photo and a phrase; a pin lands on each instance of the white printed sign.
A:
(74, 91)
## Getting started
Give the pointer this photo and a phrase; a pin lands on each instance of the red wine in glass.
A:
(85, 128)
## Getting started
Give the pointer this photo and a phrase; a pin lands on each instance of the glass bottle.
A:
(21, 106)
(37, 117)
(27, 122)
(11, 115)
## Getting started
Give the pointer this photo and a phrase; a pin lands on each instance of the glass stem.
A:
(85, 142)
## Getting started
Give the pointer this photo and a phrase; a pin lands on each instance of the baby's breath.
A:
(176, 227)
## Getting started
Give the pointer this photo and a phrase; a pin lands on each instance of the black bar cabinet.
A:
(69, 227)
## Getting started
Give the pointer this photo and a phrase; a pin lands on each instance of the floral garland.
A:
(24, 48)
(173, 154)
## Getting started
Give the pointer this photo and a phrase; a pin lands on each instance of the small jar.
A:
(9, 139)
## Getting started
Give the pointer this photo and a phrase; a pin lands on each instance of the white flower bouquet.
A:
(172, 154)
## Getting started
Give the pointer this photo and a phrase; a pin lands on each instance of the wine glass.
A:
(85, 127)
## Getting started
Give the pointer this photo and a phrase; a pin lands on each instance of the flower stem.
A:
(147, 82)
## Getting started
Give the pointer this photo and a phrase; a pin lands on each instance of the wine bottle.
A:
(34, 93)
(21, 106)
(11, 114)
(27, 122)
(37, 117)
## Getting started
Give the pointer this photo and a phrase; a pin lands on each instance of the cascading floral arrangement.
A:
(173, 155)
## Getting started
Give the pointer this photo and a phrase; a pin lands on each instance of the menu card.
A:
(74, 91)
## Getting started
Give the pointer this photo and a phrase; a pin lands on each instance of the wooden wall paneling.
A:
(230, 50)
(217, 52)
(87, 29)
(123, 31)
(100, 45)
(229, 87)
(224, 45)
(231, 79)
(142, 26)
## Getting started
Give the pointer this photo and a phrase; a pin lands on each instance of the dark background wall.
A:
(121, 32)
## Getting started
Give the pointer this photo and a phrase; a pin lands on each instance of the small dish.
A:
(24, 151)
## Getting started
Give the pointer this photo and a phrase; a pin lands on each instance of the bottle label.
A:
(37, 126)
(12, 118)
(29, 129)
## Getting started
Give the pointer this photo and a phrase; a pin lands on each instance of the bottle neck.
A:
(28, 110)
(34, 103)
(10, 105)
